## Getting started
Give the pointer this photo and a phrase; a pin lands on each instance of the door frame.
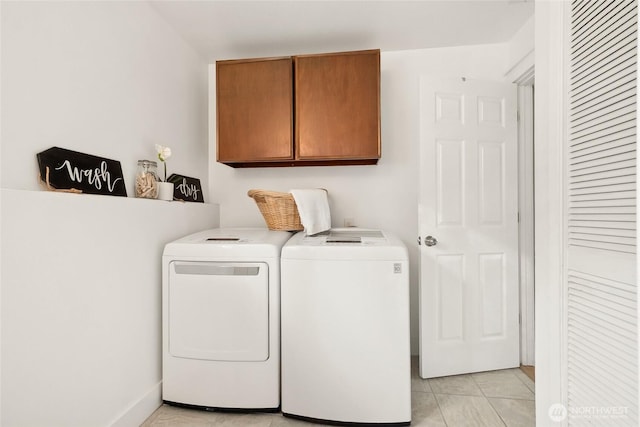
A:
(526, 215)
(551, 59)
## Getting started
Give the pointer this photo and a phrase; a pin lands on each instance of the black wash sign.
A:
(186, 188)
(64, 169)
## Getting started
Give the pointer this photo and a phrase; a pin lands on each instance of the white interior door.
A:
(469, 303)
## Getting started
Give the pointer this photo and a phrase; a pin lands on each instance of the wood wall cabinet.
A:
(337, 101)
(254, 110)
(319, 109)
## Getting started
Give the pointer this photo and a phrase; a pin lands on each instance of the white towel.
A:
(313, 207)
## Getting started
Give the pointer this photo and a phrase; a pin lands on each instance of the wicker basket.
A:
(278, 209)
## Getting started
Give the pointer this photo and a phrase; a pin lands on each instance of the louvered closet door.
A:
(601, 289)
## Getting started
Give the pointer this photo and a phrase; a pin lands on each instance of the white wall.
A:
(80, 289)
(522, 51)
(81, 305)
(105, 78)
(381, 196)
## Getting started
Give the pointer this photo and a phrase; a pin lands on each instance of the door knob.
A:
(430, 241)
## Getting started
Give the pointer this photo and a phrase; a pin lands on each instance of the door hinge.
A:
(518, 217)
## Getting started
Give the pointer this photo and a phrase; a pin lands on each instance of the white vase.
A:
(165, 191)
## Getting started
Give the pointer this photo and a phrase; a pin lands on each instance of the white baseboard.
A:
(137, 413)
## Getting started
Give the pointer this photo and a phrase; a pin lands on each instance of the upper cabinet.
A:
(337, 102)
(334, 98)
(255, 110)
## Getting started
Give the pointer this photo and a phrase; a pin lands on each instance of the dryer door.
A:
(219, 310)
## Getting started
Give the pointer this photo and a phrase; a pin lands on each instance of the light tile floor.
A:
(485, 399)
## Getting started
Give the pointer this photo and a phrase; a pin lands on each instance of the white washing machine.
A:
(221, 319)
(345, 328)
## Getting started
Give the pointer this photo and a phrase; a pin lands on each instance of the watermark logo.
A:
(557, 412)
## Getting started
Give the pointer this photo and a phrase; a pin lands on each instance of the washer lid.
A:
(354, 235)
(346, 244)
(229, 243)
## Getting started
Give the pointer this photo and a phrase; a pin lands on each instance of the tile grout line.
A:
(504, 423)
(435, 396)
(496, 411)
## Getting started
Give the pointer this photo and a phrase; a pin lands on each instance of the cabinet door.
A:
(254, 110)
(337, 99)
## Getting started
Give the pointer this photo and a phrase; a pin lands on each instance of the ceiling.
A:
(252, 29)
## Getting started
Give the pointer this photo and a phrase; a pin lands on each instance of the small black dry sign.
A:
(68, 170)
(186, 188)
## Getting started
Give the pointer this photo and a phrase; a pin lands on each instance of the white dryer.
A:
(345, 328)
(221, 319)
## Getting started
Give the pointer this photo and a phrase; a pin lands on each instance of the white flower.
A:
(163, 152)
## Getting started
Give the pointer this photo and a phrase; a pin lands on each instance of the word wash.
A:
(94, 176)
